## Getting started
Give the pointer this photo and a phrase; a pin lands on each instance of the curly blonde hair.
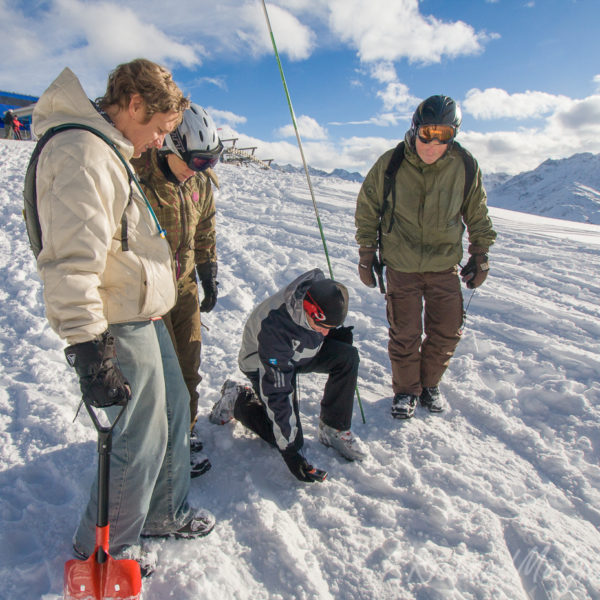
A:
(151, 81)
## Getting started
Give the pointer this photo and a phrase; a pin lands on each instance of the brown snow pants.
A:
(420, 361)
(184, 326)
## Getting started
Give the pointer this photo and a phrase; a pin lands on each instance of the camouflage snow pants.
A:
(184, 326)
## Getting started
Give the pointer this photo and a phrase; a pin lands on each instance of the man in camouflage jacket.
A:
(184, 204)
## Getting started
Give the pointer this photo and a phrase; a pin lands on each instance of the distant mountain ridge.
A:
(568, 188)
(339, 173)
(493, 180)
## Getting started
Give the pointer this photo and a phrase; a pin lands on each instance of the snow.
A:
(499, 497)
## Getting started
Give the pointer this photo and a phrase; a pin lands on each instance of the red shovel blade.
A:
(110, 580)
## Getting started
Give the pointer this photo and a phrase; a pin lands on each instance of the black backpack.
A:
(30, 211)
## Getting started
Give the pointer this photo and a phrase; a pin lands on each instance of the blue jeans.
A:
(150, 460)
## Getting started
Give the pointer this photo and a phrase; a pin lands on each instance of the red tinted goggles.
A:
(442, 133)
(315, 312)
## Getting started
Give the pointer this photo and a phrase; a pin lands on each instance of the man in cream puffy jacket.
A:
(108, 277)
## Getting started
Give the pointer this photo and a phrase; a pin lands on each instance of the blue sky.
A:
(526, 73)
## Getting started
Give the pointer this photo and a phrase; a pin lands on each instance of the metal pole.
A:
(310, 187)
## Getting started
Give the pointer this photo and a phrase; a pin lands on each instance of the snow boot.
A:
(432, 398)
(345, 442)
(195, 444)
(222, 411)
(201, 524)
(403, 406)
(199, 464)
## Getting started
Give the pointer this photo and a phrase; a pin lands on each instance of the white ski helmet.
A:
(196, 140)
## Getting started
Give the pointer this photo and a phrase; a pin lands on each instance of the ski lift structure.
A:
(242, 156)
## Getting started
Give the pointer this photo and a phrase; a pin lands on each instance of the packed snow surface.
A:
(496, 498)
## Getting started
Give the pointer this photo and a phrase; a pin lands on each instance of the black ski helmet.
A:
(326, 301)
(436, 110)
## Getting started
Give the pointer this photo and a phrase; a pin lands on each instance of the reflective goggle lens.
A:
(441, 133)
(199, 163)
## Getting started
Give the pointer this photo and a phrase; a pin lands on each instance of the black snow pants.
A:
(336, 358)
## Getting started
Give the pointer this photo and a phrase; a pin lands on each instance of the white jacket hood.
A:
(65, 101)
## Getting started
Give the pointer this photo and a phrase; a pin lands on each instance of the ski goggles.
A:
(442, 133)
(198, 160)
(315, 312)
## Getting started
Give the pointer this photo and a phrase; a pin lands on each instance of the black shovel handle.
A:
(104, 450)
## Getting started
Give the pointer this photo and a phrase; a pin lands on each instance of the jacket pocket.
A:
(158, 288)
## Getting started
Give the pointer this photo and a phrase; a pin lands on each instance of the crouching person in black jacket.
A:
(298, 330)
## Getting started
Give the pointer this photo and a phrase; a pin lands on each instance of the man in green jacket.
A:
(178, 181)
(419, 230)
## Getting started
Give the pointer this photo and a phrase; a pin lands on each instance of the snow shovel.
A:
(101, 577)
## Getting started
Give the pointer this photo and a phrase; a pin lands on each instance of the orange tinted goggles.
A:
(441, 133)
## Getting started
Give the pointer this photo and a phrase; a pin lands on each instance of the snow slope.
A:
(499, 497)
(568, 188)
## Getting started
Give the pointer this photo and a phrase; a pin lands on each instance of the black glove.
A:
(341, 334)
(100, 379)
(207, 273)
(474, 273)
(298, 465)
(366, 265)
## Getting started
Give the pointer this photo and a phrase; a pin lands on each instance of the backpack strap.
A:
(30, 212)
(389, 178)
(470, 168)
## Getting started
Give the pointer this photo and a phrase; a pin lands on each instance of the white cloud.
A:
(307, 126)
(580, 117)
(596, 80)
(494, 103)
(572, 128)
(216, 81)
(384, 71)
(291, 36)
(381, 120)
(93, 37)
(225, 117)
(90, 37)
(115, 34)
(396, 96)
(389, 31)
